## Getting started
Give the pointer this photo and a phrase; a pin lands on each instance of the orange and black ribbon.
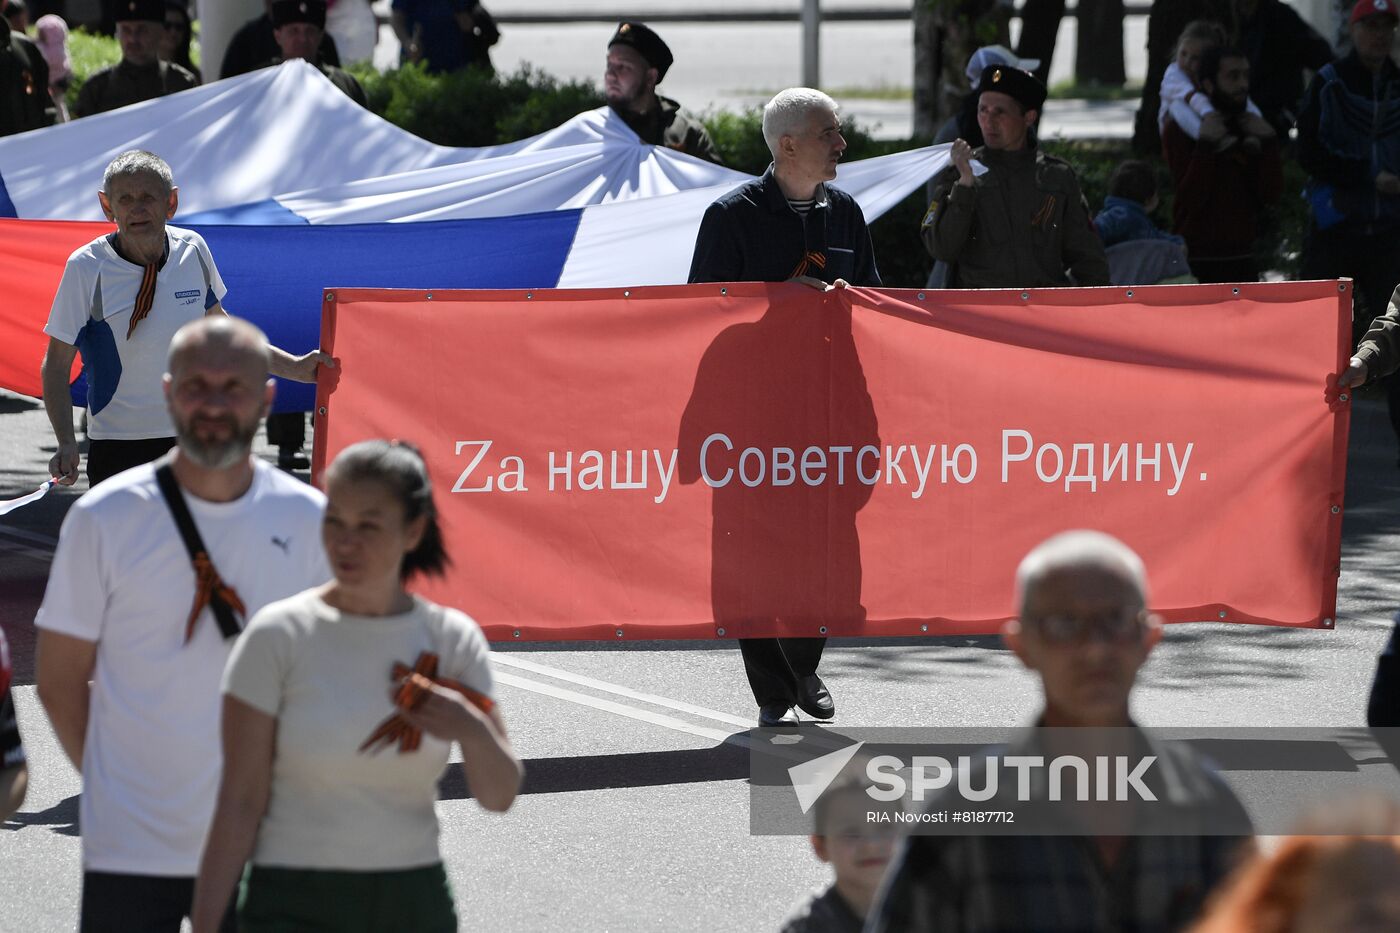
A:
(413, 688)
(812, 258)
(144, 299)
(1046, 211)
(210, 590)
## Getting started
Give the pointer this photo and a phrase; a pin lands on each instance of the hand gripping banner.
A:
(743, 460)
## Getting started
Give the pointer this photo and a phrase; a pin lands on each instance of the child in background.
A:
(857, 849)
(1182, 98)
(1132, 197)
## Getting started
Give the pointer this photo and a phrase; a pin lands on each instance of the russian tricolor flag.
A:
(297, 189)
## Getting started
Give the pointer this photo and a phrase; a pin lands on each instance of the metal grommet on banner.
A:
(517, 633)
(529, 295)
(1344, 397)
(330, 296)
(619, 633)
(923, 628)
(1025, 296)
(626, 294)
(1222, 615)
(719, 632)
(1336, 509)
(921, 296)
(724, 291)
(1235, 290)
(1341, 286)
(321, 411)
(430, 296)
(1130, 293)
(822, 629)
(1327, 623)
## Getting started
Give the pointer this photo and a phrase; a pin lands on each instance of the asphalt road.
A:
(635, 815)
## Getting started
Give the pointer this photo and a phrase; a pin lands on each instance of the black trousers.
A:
(114, 903)
(775, 664)
(110, 457)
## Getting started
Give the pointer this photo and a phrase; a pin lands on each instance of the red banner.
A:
(721, 461)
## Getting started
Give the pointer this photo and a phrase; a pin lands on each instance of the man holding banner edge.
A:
(789, 224)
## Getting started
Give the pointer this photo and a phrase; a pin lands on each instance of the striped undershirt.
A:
(802, 207)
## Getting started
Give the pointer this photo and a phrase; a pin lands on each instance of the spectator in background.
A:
(1183, 98)
(17, 14)
(1023, 223)
(299, 26)
(14, 773)
(1323, 883)
(140, 75)
(254, 45)
(963, 124)
(352, 27)
(1084, 629)
(637, 62)
(51, 36)
(1349, 143)
(1138, 252)
(1280, 45)
(1222, 192)
(435, 32)
(1165, 23)
(175, 41)
(857, 850)
(25, 103)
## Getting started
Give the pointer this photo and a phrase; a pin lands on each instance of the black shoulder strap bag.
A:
(209, 589)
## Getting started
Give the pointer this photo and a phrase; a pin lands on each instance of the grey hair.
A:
(1078, 550)
(138, 162)
(785, 113)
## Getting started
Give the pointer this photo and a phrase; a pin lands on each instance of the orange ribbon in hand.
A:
(414, 687)
(208, 586)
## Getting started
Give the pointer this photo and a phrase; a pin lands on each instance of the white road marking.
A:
(505, 659)
(631, 712)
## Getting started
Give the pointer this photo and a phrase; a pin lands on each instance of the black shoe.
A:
(292, 460)
(813, 697)
(777, 714)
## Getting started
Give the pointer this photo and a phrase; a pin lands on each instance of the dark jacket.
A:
(123, 85)
(672, 127)
(1348, 132)
(753, 235)
(1279, 45)
(1220, 195)
(1380, 348)
(1122, 220)
(25, 103)
(254, 45)
(1022, 224)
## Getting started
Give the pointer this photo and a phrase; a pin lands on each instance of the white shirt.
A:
(92, 310)
(121, 577)
(326, 676)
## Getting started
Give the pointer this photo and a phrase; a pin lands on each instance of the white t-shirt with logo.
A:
(92, 310)
(121, 577)
(326, 676)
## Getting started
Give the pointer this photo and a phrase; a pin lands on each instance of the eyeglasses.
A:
(1120, 627)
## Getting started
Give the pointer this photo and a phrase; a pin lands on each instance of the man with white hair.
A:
(1084, 629)
(122, 297)
(155, 572)
(789, 224)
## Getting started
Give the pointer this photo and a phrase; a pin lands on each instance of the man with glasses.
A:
(1084, 629)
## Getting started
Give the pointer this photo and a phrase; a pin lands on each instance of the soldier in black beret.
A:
(140, 75)
(1022, 224)
(637, 61)
(299, 26)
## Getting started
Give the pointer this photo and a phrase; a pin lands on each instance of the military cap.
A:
(647, 43)
(299, 11)
(1019, 85)
(143, 11)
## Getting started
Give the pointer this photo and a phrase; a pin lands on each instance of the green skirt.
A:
(283, 900)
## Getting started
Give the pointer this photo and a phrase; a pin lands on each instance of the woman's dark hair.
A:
(400, 467)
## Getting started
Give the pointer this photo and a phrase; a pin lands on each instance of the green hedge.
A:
(473, 108)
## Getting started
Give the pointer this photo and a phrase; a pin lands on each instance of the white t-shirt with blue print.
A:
(92, 310)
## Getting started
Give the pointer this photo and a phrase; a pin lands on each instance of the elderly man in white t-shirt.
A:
(121, 299)
(154, 572)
